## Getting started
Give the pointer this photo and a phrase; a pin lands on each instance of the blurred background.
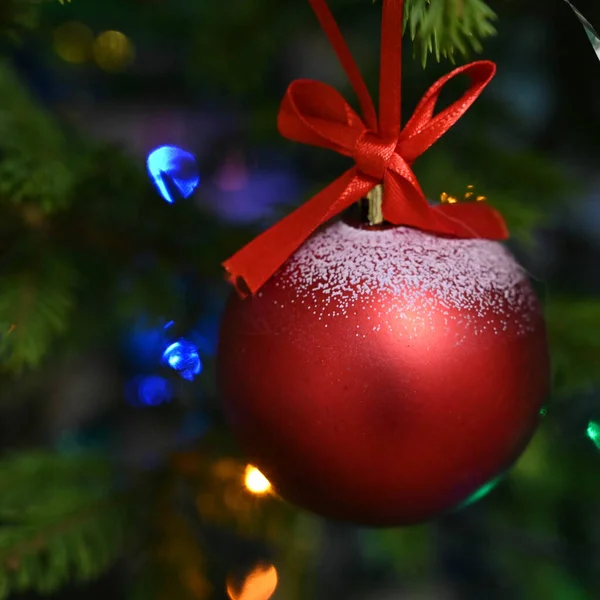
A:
(139, 149)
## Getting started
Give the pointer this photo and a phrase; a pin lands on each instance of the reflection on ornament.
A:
(256, 482)
(113, 51)
(151, 390)
(593, 432)
(73, 42)
(174, 172)
(182, 356)
(260, 584)
(469, 195)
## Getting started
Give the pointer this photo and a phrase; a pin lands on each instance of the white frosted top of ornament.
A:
(342, 266)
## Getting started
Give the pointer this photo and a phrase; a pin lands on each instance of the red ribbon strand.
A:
(314, 113)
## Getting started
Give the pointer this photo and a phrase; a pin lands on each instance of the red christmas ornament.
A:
(382, 377)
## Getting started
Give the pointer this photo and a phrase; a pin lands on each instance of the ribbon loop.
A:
(316, 114)
(424, 129)
(372, 155)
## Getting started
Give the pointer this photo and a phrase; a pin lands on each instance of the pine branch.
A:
(37, 166)
(448, 27)
(34, 308)
(75, 529)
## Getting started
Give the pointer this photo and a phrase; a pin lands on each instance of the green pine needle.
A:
(446, 28)
(75, 529)
(36, 166)
(34, 308)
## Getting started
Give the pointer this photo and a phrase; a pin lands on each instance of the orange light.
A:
(260, 584)
(256, 482)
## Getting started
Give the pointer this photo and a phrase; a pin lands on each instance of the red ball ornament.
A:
(382, 376)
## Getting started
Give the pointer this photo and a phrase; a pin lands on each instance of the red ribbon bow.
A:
(315, 113)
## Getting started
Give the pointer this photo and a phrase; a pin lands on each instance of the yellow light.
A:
(73, 42)
(481, 199)
(255, 481)
(260, 584)
(446, 199)
(113, 51)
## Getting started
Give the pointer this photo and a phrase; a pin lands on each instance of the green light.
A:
(484, 490)
(593, 432)
(543, 411)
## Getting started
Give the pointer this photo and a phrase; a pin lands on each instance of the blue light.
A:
(174, 172)
(182, 356)
(151, 390)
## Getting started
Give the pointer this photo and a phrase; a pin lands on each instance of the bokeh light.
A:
(593, 432)
(113, 51)
(149, 390)
(260, 584)
(182, 356)
(256, 482)
(73, 42)
(173, 171)
(145, 342)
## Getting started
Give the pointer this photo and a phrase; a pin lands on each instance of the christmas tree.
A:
(139, 150)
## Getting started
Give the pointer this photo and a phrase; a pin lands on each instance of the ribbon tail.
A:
(256, 262)
(472, 220)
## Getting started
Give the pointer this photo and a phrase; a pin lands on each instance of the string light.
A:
(173, 171)
(482, 492)
(260, 584)
(256, 482)
(593, 432)
(182, 356)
